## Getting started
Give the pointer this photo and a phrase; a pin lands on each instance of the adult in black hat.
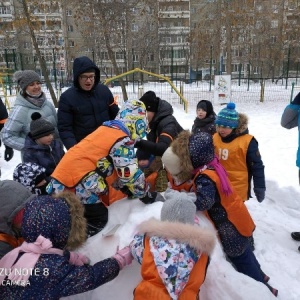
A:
(164, 128)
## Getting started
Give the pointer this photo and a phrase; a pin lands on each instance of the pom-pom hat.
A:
(228, 117)
(40, 127)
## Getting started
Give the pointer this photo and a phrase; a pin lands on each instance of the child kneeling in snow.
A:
(51, 227)
(173, 252)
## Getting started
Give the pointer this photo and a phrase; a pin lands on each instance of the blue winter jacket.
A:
(45, 156)
(81, 112)
(291, 119)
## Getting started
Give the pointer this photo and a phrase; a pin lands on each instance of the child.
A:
(32, 176)
(52, 227)
(103, 165)
(173, 252)
(205, 120)
(239, 154)
(13, 197)
(216, 196)
(40, 146)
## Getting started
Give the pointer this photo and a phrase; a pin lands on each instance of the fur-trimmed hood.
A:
(242, 124)
(199, 238)
(59, 218)
(180, 147)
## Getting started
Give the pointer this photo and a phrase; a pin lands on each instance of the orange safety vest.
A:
(82, 159)
(152, 286)
(237, 212)
(186, 186)
(11, 240)
(232, 156)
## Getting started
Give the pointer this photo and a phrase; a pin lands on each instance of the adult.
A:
(30, 99)
(164, 128)
(84, 106)
(9, 152)
(291, 119)
(13, 197)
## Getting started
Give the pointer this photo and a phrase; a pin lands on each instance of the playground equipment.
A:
(182, 100)
(6, 85)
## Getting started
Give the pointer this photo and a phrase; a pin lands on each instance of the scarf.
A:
(36, 100)
(221, 172)
(24, 267)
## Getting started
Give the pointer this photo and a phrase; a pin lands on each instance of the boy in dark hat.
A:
(40, 146)
(205, 120)
(164, 128)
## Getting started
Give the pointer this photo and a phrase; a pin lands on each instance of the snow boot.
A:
(296, 236)
(273, 291)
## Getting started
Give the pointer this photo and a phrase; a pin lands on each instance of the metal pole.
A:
(248, 69)
(297, 71)
(6, 58)
(132, 69)
(210, 68)
(14, 58)
(240, 73)
(287, 67)
(54, 69)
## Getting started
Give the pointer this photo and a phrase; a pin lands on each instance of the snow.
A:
(276, 217)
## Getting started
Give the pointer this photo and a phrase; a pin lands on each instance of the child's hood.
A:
(242, 124)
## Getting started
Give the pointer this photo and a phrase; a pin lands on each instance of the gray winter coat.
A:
(17, 125)
(13, 197)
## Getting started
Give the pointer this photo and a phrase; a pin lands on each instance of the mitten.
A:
(123, 257)
(260, 194)
(152, 197)
(8, 153)
(76, 258)
(125, 190)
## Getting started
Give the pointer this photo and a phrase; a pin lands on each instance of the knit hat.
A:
(179, 208)
(206, 106)
(40, 127)
(171, 161)
(228, 117)
(133, 116)
(26, 77)
(201, 149)
(29, 174)
(150, 100)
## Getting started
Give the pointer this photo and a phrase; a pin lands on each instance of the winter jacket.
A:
(81, 112)
(3, 114)
(17, 125)
(56, 277)
(228, 213)
(239, 154)
(205, 125)
(164, 128)
(13, 197)
(174, 259)
(291, 119)
(99, 166)
(43, 155)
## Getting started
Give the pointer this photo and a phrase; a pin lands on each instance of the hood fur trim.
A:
(180, 147)
(78, 232)
(242, 124)
(201, 239)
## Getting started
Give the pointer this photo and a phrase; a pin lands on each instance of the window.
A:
(103, 55)
(71, 43)
(69, 13)
(26, 45)
(274, 24)
(70, 28)
(273, 39)
(151, 57)
(135, 57)
(275, 8)
(166, 39)
(134, 27)
(4, 10)
(119, 55)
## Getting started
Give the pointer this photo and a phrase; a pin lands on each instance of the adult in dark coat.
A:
(84, 106)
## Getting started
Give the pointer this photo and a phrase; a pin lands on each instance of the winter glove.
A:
(76, 258)
(8, 153)
(260, 194)
(152, 197)
(125, 190)
(123, 257)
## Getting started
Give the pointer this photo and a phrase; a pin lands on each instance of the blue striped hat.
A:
(228, 117)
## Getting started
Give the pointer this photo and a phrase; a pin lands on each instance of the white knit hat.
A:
(171, 162)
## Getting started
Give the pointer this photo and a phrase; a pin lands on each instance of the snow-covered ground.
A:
(276, 217)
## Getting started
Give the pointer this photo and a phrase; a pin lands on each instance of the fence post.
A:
(262, 91)
(292, 92)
